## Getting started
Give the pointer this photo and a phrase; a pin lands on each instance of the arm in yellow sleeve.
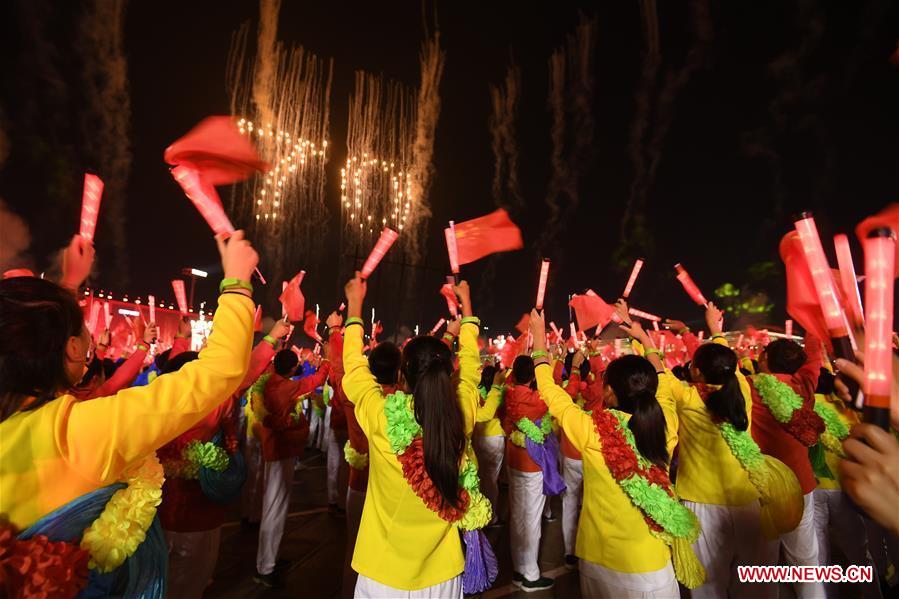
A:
(577, 424)
(488, 411)
(359, 384)
(469, 374)
(103, 436)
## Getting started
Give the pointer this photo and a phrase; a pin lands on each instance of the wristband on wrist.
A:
(143, 347)
(270, 339)
(718, 336)
(449, 336)
(472, 319)
(539, 354)
(232, 283)
(657, 352)
(354, 320)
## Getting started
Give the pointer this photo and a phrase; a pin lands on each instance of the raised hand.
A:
(453, 327)
(239, 259)
(77, 260)
(151, 333)
(355, 295)
(714, 319)
(463, 292)
(334, 320)
(280, 329)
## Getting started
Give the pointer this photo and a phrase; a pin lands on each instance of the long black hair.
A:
(718, 366)
(37, 318)
(427, 366)
(634, 381)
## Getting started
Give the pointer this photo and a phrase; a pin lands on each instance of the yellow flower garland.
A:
(356, 459)
(123, 524)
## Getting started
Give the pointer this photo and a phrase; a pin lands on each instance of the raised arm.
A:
(469, 358)
(103, 436)
(494, 399)
(125, 374)
(809, 372)
(359, 384)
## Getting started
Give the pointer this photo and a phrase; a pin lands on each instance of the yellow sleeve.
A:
(103, 436)
(359, 384)
(577, 424)
(488, 411)
(670, 387)
(469, 374)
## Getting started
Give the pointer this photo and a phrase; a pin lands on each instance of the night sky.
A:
(794, 106)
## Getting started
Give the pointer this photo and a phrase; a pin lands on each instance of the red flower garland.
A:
(40, 568)
(415, 473)
(622, 461)
(805, 425)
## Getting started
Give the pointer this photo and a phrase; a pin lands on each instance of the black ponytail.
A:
(718, 366)
(427, 367)
(634, 381)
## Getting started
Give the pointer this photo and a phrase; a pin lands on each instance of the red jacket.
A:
(281, 435)
(520, 401)
(770, 434)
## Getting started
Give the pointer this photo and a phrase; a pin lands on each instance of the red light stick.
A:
(630, 282)
(541, 287)
(556, 330)
(689, 286)
(880, 257)
(204, 198)
(180, 295)
(257, 319)
(90, 205)
(107, 316)
(642, 314)
(283, 307)
(388, 236)
(655, 325)
(342, 307)
(437, 326)
(151, 300)
(788, 328)
(848, 280)
(452, 250)
(94, 316)
(573, 330)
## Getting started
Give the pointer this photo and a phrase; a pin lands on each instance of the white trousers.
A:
(278, 479)
(731, 536)
(490, 452)
(832, 511)
(451, 589)
(573, 473)
(526, 501)
(801, 549)
(192, 557)
(254, 487)
(597, 581)
(335, 456)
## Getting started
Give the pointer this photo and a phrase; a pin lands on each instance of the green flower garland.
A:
(746, 450)
(835, 431)
(196, 455)
(777, 397)
(402, 431)
(356, 459)
(527, 429)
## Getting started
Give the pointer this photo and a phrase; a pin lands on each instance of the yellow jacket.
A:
(707, 471)
(487, 424)
(401, 543)
(612, 531)
(66, 448)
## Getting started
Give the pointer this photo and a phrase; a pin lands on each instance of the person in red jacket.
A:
(789, 375)
(336, 420)
(191, 520)
(283, 432)
(529, 482)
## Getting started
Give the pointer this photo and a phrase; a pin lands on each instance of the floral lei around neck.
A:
(645, 484)
(835, 430)
(404, 435)
(788, 408)
(195, 455)
(527, 429)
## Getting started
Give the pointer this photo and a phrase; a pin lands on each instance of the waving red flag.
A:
(487, 235)
(452, 303)
(217, 150)
(524, 323)
(310, 326)
(591, 310)
(292, 298)
(802, 299)
(889, 218)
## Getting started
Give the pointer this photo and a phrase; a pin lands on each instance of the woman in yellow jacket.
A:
(711, 479)
(630, 514)
(423, 483)
(56, 450)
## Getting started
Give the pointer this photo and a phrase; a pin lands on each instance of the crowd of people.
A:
(674, 468)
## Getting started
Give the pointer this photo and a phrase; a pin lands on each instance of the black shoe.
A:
(282, 565)
(516, 577)
(532, 586)
(271, 581)
(571, 561)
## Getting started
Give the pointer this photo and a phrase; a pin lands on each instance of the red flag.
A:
(524, 324)
(257, 320)
(217, 150)
(452, 303)
(591, 310)
(802, 299)
(509, 352)
(310, 326)
(889, 218)
(292, 298)
(487, 235)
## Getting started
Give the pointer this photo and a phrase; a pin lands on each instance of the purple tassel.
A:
(481, 567)
(547, 457)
